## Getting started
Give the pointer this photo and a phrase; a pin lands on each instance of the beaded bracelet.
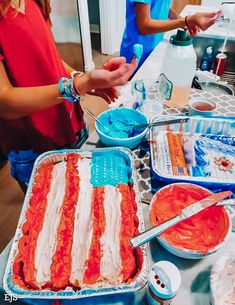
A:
(74, 74)
(68, 90)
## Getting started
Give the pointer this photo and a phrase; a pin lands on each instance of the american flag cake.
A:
(81, 215)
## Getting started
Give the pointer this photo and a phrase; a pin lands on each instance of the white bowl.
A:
(188, 253)
(207, 107)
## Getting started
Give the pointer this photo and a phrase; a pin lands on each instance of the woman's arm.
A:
(19, 102)
(67, 67)
(146, 25)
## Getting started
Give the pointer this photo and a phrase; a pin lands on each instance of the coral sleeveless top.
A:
(29, 55)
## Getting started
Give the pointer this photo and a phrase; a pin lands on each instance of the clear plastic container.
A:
(163, 283)
(151, 107)
(178, 69)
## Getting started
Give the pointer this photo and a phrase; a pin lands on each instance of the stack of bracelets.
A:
(68, 89)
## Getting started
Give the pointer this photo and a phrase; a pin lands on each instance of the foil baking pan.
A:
(213, 129)
(68, 293)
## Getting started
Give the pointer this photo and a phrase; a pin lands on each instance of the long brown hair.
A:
(43, 4)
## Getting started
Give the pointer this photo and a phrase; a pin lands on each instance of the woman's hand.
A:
(115, 72)
(109, 94)
(201, 21)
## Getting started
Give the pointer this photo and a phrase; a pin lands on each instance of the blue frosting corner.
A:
(110, 168)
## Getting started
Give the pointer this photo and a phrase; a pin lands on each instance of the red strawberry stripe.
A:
(92, 272)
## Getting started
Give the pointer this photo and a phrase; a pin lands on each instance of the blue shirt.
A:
(159, 10)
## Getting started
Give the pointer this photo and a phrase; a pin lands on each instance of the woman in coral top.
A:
(39, 93)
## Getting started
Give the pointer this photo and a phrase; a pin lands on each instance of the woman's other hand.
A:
(109, 94)
(115, 72)
(201, 21)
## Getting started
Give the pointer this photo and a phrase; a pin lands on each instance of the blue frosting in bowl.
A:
(119, 130)
(119, 123)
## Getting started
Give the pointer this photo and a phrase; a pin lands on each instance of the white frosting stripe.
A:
(47, 238)
(110, 265)
(83, 229)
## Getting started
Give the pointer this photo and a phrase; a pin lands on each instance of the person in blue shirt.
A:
(147, 20)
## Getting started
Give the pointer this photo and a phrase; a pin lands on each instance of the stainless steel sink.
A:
(200, 45)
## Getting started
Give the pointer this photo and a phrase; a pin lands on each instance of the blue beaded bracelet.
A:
(67, 89)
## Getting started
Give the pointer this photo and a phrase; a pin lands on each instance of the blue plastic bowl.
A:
(133, 116)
